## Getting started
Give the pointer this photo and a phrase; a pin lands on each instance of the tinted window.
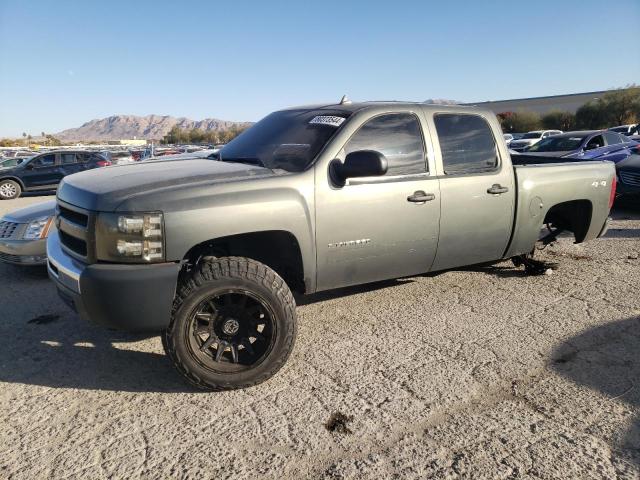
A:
(289, 140)
(466, 143)
(531, 135)
(595, 142)
(45, 161)
(67, 158)
(612, 138)
(557, 144)
(398, 137)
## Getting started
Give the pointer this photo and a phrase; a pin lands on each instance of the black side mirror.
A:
(361, 163)
(29, 166)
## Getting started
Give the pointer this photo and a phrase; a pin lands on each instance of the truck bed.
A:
(524, 159)
(579, 190)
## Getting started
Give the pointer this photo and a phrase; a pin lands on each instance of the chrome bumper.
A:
(62, 268)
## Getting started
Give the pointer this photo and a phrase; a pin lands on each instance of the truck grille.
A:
(628, 178)
(76, 229)
(7, 229)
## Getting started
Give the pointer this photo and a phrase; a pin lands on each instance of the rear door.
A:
(477, 191)
(69, 163)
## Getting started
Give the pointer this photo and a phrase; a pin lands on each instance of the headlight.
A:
(130, 238)
(38, 228)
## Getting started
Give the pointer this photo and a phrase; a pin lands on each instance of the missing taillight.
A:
(612, 195)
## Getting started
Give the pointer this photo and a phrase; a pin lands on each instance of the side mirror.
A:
(29, 166)
(361, 163)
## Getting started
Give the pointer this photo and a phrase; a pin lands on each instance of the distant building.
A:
(542, 105)
(135, 142)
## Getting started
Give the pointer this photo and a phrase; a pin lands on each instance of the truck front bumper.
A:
(127, 297)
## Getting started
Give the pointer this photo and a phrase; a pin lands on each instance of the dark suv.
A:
(44, 171)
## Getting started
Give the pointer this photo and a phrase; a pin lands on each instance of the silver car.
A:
(23, 234)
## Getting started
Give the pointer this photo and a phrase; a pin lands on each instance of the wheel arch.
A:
(573, 215)
(15, 179)
(278, 249)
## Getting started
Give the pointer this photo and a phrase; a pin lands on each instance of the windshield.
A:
(532, 135)
(288, 140)
(557, 144)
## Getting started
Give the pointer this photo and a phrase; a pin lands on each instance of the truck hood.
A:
(32, 212)
(103, 189)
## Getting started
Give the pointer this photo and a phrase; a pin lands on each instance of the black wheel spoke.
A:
(234, 353)
(221, 348)
(210, 341)
(242, 302)
(246, 343)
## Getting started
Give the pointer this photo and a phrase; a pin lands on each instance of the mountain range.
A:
(154, 127)
(151, 127)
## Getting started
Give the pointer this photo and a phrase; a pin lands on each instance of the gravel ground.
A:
(475, 373)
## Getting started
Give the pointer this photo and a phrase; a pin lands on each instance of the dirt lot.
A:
(479, 373)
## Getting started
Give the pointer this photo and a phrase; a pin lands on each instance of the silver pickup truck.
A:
(312, 198)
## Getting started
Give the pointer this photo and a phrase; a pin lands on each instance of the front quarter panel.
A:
(282, 203)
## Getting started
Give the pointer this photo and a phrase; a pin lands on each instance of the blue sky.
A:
(63, 63)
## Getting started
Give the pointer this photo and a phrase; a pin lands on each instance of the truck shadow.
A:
(607, 359)
(302, 300)
(60, 351)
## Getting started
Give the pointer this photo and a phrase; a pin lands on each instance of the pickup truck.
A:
(208, 251)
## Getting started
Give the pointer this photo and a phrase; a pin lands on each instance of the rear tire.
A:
(233, 324)
(9, 189)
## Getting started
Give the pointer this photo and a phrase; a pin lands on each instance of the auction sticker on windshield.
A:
(327, 120)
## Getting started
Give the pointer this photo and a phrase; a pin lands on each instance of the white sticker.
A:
(327, 120)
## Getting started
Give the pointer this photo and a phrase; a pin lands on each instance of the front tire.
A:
(233, 324)
(9, 189)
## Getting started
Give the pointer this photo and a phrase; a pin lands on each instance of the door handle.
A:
(497, 189)
(421, 197)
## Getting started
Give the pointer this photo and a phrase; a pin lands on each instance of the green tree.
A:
(620, 104)
(617, 107)
(557, 120)
(521, 121)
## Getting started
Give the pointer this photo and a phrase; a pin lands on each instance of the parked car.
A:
(45, 171)
(624, 129)
(629, 176)
(23, 234)
(121, 158)
(307, 199)
(586, 145)
(531, 138)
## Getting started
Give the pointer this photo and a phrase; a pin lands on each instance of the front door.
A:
(379, 227)
(42, 172)
(477, 192)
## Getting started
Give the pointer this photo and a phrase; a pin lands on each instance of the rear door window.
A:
(67, 158)
(466, 143)
(398, 137)
(612, 138)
